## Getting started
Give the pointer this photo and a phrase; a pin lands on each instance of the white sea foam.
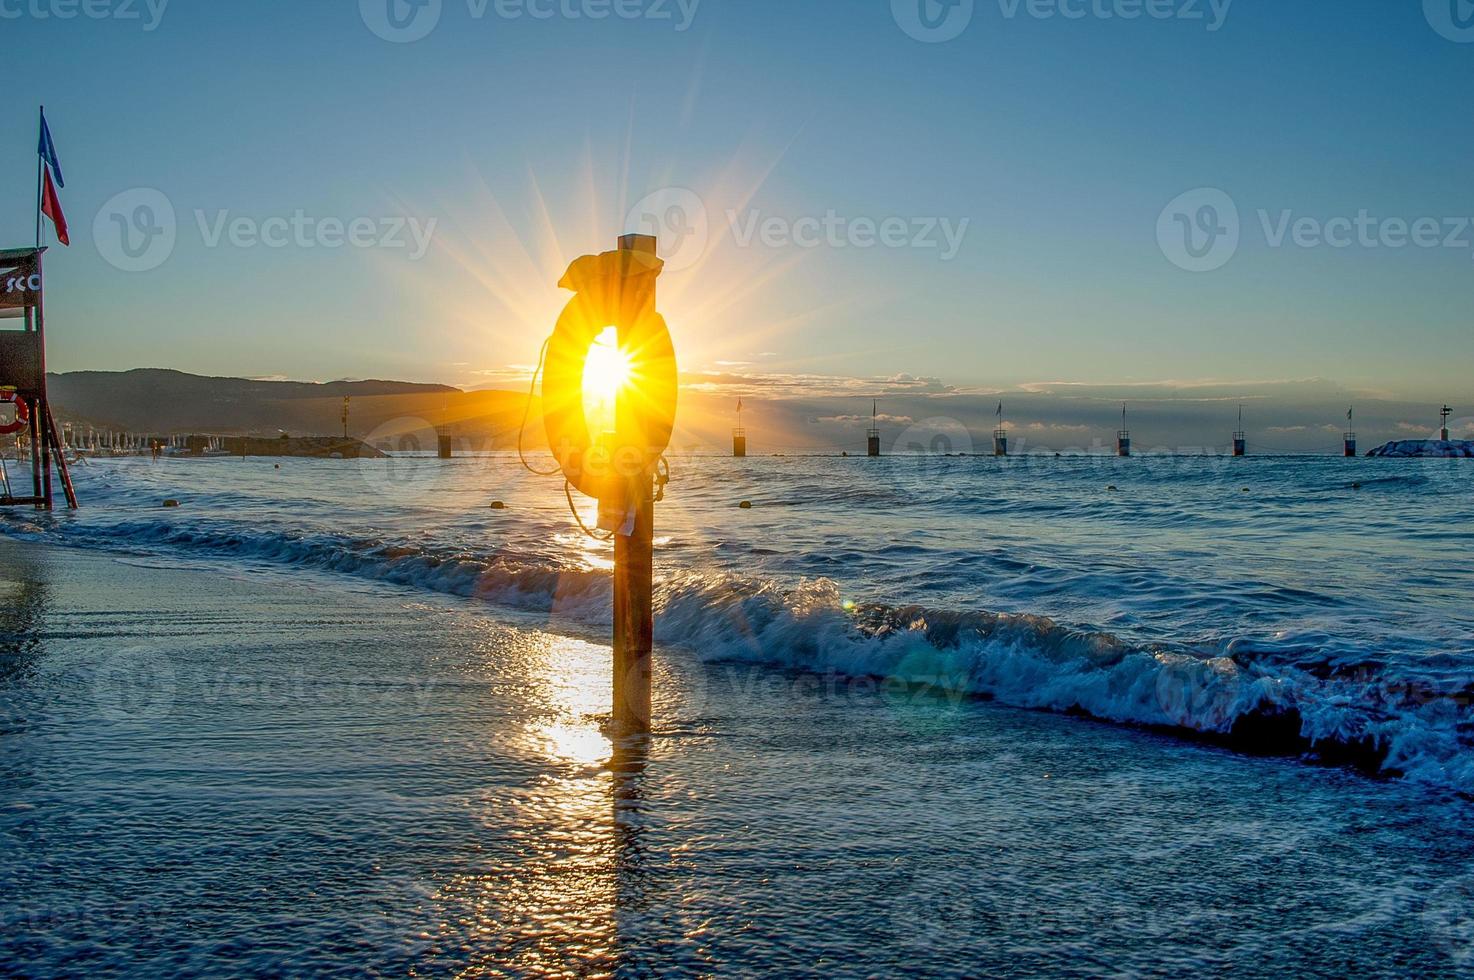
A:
(1340, 674)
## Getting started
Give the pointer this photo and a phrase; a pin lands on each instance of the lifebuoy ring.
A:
(612, 289)
(22, 414)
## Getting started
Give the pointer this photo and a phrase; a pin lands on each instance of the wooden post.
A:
(634, 559)
(634, 618)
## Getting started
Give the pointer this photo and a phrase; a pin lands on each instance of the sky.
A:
(855, 198)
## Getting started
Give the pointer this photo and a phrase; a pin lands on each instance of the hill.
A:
(163, 402)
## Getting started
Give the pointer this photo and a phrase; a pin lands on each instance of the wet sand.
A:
(212, 771)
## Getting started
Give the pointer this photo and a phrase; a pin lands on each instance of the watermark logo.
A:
(1199, 230)
(1201, 695)
(1211, 13)
(407, 21)
(409, 468)
(148, 13)
(933, 913)
(836, 231)
(400, 21)
(933, 21)
(305, 231)
(927, 444)
(1452, 19)
(135, 231)
(134, 684)
(677, 217)
(682, 222)
(1449, 917)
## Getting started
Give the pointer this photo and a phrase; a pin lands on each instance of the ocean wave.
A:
(1278, 694)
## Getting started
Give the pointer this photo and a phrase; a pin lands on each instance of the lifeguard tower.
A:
(23, 381)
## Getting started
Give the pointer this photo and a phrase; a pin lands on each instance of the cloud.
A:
(1201, 390)
(857, 419)
(1048, 427)
(796, 385)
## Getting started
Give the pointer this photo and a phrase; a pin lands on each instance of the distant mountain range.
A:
(154, 401)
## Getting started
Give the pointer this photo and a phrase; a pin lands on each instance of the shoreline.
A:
(384, 772)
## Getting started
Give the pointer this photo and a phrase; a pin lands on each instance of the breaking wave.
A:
(1273, 695)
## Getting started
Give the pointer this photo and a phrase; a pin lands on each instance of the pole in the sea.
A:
(634, 553)
(1349, 448)
(345, 418)
(1443, 423)
(1123, 436)
(625, 469)
(739, 436)
(872, 436)
(1240, 437)
(1000, 435)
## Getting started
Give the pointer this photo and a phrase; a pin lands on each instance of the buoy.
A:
(278, 466)
(1245, 490)
(746, 505)
(1111, 487)
(1356, 486)
(498, 505)
(171, 503)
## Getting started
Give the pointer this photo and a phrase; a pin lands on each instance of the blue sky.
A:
(1052, 143)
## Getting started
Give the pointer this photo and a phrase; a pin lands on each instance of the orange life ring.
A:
(22, 414)
(612, 289)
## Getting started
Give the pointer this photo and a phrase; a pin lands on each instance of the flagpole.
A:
(40, 163)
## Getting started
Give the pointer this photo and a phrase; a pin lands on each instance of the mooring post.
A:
(739, 435)
(634, 553)
(634, 617)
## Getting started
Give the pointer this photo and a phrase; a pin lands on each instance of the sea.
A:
(958, 716)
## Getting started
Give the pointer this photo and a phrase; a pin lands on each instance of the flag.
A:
(1000, 410)
(51, 207)
(1348, 414)
(47, 150)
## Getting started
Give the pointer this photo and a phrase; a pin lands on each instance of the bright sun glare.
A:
(605, 372)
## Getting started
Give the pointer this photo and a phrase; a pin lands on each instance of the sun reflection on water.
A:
(550, 907)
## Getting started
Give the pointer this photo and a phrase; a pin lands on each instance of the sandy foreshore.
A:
(210, 770)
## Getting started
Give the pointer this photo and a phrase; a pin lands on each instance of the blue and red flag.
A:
(50, 203)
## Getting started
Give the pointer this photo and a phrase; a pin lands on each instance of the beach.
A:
(218, 760)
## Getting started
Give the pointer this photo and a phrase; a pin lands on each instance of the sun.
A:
(605, 373)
